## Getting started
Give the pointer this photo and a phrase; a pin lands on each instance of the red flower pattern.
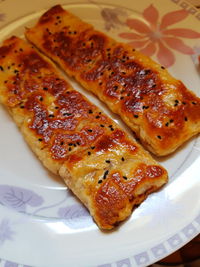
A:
(157, 37)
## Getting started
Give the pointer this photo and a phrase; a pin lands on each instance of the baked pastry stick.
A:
(108, 171)
(158, 108)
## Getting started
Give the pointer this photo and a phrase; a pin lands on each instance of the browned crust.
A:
(107, 170)
(160, 109)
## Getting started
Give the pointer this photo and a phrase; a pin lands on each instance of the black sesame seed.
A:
(135, 116)
(100, 113)
(105, 174)
(194, 103)
(186, 119)
(100, 181)
(100, 83)
(176, 101)
(92, 147)
(97, 117)
(69, 149)
(45, 88)
(121, 98)
(41, 98)
(89, 153)
(90, 111)
(107, 161)
(101, 125)
(89, 130)
(167, 124)
(153, 86)
(70, 144)
(1, 68)
(5, 81)
(51, 116)
(22, 106)
(183, 103)
(162, 67)
(61, 143)
(56, 107)
(74, 145)
(78, 143)
(125, 177)
(145, 107)
(112, 129)
(67, 114)
(159, 137)
(176, 104)
(171, 120)
(21, 50)
(115, 87)
(122, 159)
(40, 139)
(16, 71)
(147, 72)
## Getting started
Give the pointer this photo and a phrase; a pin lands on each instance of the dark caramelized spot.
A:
(159, 137)
(107, 161)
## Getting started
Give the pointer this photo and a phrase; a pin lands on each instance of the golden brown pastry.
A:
(158, 108)
(109, 172)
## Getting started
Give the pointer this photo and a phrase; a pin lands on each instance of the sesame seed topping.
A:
(105, 174)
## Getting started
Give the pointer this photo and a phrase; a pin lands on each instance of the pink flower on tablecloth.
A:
(156, 37)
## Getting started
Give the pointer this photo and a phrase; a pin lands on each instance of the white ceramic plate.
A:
(41, 223)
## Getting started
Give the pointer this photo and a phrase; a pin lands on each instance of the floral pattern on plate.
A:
(157, 37)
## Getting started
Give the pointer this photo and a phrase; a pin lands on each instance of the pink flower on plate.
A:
(155, 36)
